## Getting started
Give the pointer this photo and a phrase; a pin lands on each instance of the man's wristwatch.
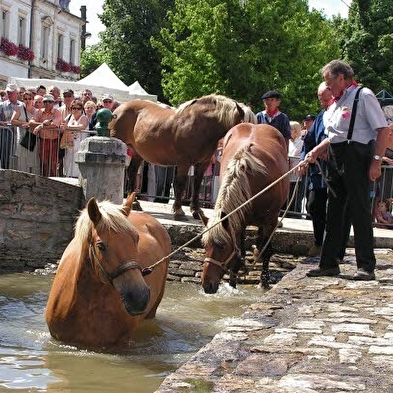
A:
(377, 158)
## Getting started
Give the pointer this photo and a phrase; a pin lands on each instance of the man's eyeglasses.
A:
(48, 102)
(87, 94)
(27, 99)
(107, 102)
(67, 95)
(76, 107)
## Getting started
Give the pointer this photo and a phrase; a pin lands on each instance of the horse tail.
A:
(235, 189)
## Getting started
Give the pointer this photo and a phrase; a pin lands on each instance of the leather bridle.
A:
(222, 265)
(125, 267)
(236, 251)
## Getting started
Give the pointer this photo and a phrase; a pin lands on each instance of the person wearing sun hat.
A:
(7, 108)
(46, 123)
(272, 115)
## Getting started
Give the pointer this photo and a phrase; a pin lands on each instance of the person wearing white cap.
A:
(7, 108)
(107, 102)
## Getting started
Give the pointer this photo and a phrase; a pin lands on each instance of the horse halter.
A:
(223, 265)
(119, 270)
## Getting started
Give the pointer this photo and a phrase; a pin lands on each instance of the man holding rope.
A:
(355, 148)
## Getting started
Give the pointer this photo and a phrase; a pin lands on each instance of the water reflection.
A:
(31, 361)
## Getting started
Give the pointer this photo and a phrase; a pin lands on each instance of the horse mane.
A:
(234, 191)
(226, 109)
(112, 218)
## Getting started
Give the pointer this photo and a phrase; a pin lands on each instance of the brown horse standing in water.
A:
(183, 137)
(254, 156)
(99, 294)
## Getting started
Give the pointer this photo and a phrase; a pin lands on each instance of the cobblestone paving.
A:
(305, 335)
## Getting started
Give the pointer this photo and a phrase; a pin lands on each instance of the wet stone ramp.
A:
(305, 335)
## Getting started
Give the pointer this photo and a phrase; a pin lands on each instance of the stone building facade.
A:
(39, 39)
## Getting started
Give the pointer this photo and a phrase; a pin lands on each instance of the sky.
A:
(94, 7)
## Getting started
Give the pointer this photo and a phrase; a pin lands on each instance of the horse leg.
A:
(265, 274)
(234, 271)
(131, 173)
(239, 262)
(199, 171)
(265, 256)
(179, 185)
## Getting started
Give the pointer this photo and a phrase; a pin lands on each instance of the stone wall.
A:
(37, 215)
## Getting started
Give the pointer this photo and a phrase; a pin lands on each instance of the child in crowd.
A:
(384, 216)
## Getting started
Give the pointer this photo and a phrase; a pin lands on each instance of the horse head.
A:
(248, 115)
(221, 252)
(113, 251)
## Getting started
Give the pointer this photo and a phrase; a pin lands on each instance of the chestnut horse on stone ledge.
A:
(183, 137)
(101, 291)
(253, 157)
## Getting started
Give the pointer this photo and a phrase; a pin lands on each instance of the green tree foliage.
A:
(244, 48)
(92, 57)
(368, 42)
(126, 40)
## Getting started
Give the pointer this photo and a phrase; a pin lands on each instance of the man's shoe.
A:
(363, 275)
(314, 251)
(335, 271)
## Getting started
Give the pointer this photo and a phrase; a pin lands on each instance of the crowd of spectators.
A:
(54, 123)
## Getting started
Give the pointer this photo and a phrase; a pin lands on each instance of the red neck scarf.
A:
(272, 113)
(335, 99)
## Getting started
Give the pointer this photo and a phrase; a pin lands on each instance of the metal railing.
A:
(48, 157)
(7, 147)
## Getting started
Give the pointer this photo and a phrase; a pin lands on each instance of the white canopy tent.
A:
(103, 76)
(137, 91)
(102, 80)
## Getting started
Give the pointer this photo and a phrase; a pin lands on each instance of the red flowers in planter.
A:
(25, 53)
(75, 69)
(11, 49)
(8, 47)
(63, 66)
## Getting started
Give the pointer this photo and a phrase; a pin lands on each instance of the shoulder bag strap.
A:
(24, 108)
(353, 116)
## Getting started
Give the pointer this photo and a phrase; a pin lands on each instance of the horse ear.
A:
(224, 223)
(93, 211)
(241, 111)
(127, 206)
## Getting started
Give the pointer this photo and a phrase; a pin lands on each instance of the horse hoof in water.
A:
(264, 283)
